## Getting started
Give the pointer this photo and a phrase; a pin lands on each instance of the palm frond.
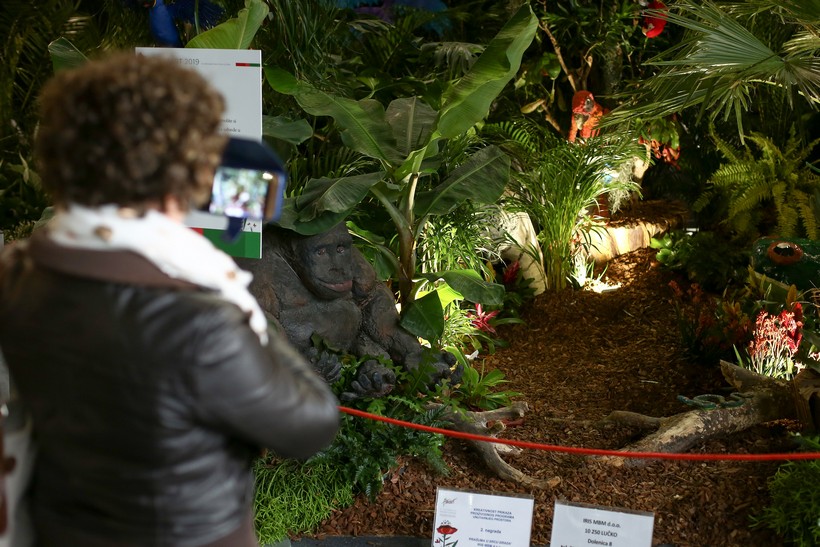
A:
(721, 62)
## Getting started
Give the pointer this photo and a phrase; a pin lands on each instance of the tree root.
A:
(491, 423)
(766, 399)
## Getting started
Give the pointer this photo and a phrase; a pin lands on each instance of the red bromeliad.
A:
(511, 273)
(481, 319)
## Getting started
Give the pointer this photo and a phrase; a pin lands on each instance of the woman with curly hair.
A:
(149, 370)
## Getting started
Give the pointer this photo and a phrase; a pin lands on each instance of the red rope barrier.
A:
(585, 451)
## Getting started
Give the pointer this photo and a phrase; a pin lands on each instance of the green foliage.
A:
(404, 140)
(560, 188)
(294, 497)
(365, 449)
(479, 389)
(795, 501)
(707, 258)
(22, 199)
(723, 58)
(753, 186)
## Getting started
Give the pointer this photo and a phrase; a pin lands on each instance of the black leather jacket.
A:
(150, 398)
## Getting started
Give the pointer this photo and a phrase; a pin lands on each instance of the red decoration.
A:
(652, 25)
(784, 253)
(586, 113)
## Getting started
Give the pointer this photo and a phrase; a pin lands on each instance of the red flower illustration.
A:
(446, 530)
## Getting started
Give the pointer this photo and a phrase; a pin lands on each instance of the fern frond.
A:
(733, 176)
(807, 210)
(749, 198)
(732, 154)
(787, 215)
(703, 200)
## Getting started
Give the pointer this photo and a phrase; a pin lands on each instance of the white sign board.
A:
(481, 520)
(236, 73)
(578, 524)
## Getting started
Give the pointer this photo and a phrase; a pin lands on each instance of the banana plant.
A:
(405, 139)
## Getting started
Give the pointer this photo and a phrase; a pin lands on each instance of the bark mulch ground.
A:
(581, 355)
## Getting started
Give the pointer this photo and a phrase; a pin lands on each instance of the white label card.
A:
(236, 73)
(481, 520)
(582, 525)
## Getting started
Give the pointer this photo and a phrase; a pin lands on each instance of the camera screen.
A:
(242, 193)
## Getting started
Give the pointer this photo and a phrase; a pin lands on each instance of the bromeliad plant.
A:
(404, 140)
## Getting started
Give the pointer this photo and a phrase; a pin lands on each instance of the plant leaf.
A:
(424, 317)
(482, 178)
(471, 286)
(364, 122)
(235, 33)
(65, 55)
(469, 100)
(292, 132)
(338, 195)
(412, 122)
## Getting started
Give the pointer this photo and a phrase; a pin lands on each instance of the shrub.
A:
(795, 501)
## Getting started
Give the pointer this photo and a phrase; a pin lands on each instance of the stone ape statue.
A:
(322, 286)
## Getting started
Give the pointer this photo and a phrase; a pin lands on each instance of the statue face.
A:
(325, 264)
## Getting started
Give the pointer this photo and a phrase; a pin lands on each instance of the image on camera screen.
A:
(240, 193)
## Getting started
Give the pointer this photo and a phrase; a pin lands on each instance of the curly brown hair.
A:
(129, 130)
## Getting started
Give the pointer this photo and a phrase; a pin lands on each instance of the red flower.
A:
(481, 320)
(511, 273)
(446, 530)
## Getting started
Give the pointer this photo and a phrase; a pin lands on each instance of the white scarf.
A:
(175, 249)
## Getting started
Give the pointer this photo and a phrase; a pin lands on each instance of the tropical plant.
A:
(749, 183)
(795, 502)
(480, 389)
(710, 328)
(775, 342)
(561, 190)
(292, 497)
(720, 62)
(404, 141)
(707, 258)
(364, 449)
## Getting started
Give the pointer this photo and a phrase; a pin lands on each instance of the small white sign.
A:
(583, 525)
(236, 73)
(481, 520)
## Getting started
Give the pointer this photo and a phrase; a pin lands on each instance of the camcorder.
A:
(249, 183)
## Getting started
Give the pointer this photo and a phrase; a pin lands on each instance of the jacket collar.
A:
(125, 267)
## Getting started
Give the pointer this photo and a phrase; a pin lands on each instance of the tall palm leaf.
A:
(721, 62)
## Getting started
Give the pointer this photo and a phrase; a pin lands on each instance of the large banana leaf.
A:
(363, 123)
(471, 286)
(468, 101)
(412, 122)
(338, 195)
(481, 179)
(325, 202)
(292, 132)
(65, 55)
(235, 33)
(424, 317)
